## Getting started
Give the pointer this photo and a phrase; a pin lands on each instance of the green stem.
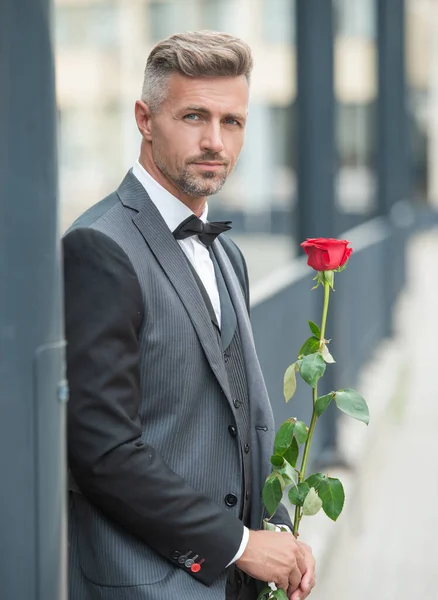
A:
(302, 473)
(325, 309)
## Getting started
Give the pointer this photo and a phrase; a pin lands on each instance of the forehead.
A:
(224, 94)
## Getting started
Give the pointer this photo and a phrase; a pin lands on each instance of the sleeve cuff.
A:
(242, 547)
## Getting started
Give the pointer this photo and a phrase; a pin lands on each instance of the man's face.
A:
(197, 135)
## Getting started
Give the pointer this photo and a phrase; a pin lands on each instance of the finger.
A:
(296, 595)
(301, 562)
(308, 581)
(294, 579)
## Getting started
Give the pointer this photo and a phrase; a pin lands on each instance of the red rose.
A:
(326, 254)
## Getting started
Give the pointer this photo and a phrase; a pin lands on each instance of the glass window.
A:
(86, 25)
(165, 17)
(356, 181)
(278, 21)
(221, 15)
(356, 18)
(90, 138)
(356, 96)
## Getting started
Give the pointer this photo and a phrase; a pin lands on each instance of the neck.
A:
(196, 205)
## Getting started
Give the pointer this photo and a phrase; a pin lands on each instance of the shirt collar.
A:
(171, 209)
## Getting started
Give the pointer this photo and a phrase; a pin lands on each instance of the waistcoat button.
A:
(232, 430)
(231, 499)
(246, 448)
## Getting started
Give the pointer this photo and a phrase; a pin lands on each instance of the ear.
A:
(143, 116)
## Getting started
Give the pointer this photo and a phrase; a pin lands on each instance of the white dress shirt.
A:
(174, 212)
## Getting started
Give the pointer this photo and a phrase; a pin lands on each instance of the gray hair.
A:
(193, 54)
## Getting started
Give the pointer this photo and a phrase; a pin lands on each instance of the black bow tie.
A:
(207, 232)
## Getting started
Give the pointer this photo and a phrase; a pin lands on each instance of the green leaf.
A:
(290, 382)
(265, 591)
(292, 453)
(331, 492)
(284, 436)
(271, 494)
(277, 460)
(312, 503)
(353, 405)
(298, 494)
(315, 329)
(312, 367)
(326, 355)
(279, 594)
(310, 346)
(322, 403)
(268, 526)
(301, 432)
(288, 474)
(315, 479)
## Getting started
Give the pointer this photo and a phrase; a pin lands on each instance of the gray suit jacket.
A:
(150, 410)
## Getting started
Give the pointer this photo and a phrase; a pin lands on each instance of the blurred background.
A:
(101, 50)
(342, 141)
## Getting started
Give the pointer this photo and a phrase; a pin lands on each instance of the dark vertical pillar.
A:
(32, 392)
(393, 164)
(316, 150)
(393, 153)
(316, 130)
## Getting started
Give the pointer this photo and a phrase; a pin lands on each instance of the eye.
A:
(231, 121)
(192, 117)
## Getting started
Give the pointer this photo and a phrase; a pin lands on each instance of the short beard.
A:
(190, 184)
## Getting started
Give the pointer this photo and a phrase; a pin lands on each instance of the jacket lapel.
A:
(173, 262)
(228, 314)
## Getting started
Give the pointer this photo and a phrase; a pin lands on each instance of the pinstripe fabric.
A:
(186, 407)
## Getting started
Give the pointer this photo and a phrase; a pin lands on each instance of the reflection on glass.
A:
(86, 25)
(356, 93)
(278, 21)
(166, 17)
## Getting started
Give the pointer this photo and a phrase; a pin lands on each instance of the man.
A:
(169, 425)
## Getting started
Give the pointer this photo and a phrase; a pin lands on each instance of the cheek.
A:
(184, 142)
(234, 144)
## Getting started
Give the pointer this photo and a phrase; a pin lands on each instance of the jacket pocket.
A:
(108, 555)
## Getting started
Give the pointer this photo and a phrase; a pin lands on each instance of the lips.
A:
(211, 167)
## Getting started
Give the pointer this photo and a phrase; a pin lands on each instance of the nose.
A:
(212, 139)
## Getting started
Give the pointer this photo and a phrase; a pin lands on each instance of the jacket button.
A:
(237, 403)
(176, 555)
(232, 430)
(246, 448)
(231, 499)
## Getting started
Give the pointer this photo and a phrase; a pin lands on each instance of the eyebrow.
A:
(205, 111)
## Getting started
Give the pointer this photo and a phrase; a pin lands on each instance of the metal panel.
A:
(32, 514)
(392, 150)
(316, 108)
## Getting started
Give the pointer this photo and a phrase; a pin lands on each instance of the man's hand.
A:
(278, 557)
(308, 579)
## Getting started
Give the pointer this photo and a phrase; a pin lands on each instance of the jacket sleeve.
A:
(282, 517)
(112, 465)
